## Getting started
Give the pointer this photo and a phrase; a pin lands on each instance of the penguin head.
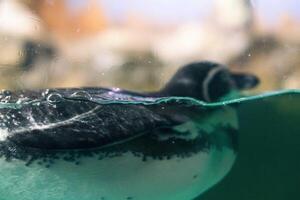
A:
(207, 81)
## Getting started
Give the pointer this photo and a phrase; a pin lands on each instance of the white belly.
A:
(119, 178)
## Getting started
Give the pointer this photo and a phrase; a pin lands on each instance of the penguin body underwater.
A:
(110, 144)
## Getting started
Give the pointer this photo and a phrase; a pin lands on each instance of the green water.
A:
(266, 167)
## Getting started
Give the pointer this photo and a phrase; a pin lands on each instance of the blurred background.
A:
(138, 45)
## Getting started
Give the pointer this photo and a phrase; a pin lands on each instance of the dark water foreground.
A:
(88, 145)
(268, 162)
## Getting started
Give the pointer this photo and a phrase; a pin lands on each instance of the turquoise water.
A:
(251, 141)
(267, 165)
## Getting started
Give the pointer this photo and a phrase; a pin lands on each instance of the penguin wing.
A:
(73, 123)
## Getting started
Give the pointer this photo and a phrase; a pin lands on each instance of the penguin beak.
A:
(245, 81)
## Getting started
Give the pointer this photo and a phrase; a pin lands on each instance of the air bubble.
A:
(45, 93)
(54, 97)
(5, 99)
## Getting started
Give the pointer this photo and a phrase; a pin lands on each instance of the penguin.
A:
(100, 143)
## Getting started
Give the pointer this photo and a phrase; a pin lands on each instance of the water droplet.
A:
(54, 97)
(45, 93)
